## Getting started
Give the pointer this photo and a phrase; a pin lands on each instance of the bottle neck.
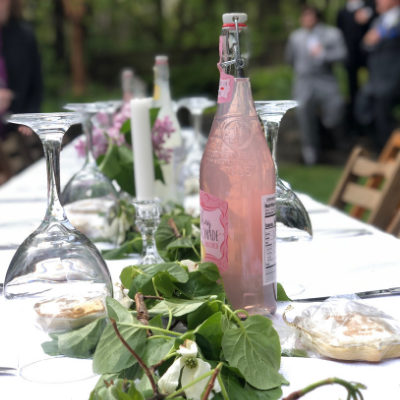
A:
(228, 44)
(165, 94)
(242, 103)
(162, 92)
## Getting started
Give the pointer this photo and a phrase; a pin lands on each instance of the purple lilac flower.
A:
(161, 131)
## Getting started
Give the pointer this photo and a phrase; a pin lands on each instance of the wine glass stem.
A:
(87, 129)
(197, 121)
(52, 147)
(272, 132)
(149, 242)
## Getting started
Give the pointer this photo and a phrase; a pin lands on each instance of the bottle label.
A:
(214, 230)
(226, 82)
(268, 217)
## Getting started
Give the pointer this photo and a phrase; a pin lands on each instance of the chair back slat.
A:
(380, 200)
(360, 195)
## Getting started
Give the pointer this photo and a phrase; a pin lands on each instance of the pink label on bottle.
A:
(214, 230)
(226, 82)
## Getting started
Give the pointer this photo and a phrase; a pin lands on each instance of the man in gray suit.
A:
(381, 94)
(312, 50)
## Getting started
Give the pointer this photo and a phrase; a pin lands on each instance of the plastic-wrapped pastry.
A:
(347, 329)
(66, 313)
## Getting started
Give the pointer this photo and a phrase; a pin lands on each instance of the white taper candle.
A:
(142, 148)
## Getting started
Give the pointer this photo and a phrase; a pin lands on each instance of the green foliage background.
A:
(129, 33)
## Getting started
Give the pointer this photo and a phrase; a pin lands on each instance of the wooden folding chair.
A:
(380, 202)
(388, 154)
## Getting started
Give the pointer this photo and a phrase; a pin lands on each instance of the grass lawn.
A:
(317, 181)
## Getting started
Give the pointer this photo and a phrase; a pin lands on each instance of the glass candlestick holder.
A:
(148, 214)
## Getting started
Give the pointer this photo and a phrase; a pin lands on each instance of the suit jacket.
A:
(23, 67)
(353, 34)
(315, 74)
(384, 63)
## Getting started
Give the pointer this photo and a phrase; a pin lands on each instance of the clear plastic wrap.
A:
(343, 328)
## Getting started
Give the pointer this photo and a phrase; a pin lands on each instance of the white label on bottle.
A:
(268, 209)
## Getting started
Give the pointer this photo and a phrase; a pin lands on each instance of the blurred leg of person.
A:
(332, 109)
(308, 121)
(384, 121)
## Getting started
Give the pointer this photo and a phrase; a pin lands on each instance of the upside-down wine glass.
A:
(293, 223)
(189, 177)
(57, 280)
(90, 199)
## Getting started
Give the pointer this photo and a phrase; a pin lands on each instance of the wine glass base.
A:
(58, 370)
(151, 259)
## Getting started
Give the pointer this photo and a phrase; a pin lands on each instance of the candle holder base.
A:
(148, 214)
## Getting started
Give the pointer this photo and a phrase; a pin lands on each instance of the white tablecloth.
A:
(328, 265)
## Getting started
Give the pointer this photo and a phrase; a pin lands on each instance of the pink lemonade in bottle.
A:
(237, 187)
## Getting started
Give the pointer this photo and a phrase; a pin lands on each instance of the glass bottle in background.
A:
(237, 186)
(168, 192)
(127, 84)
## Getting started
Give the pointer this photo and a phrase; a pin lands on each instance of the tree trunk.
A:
(75, 11)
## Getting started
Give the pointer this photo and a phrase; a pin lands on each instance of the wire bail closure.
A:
(238, 61)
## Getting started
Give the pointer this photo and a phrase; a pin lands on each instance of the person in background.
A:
(381, 93)
(312, 50)
(354, 20)
(20, 70)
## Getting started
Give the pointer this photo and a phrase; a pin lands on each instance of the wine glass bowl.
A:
(90, 199)
(194, 143)
(57, 280)
(292, 220)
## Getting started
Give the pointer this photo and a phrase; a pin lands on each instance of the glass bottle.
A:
(168, 192)
(237, 187)
(127, 84)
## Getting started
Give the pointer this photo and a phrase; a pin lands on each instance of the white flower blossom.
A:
(121, 295)
(191, 265)
(193, 368)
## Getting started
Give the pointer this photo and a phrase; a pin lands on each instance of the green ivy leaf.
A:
(182, 243)
(111, 355)
(132, 246)
(164, 284)
(158, 174)
(209, 336)
(165, 235)
(198, 285)
(110, 166)
(178, 307)
(175, 272)
(81, 342)
(197, 317)
(210, 270)
(126, 179)
(125, 156)
(156, 322)
(227, 323)
(282, 296)
(51, 348)
(153, 115)
(255, 350)
(156, 350)
(118, 312)
(126, 127)
(238, 391)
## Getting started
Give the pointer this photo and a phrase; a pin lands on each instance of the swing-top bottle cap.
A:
(160, 60)
(227, 19)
